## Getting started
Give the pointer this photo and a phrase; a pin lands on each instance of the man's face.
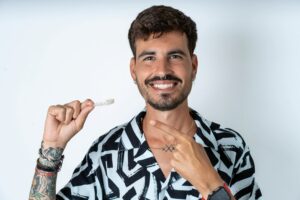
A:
(164, 70)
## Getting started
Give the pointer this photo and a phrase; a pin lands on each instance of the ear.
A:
(194, 65)
(132, 68)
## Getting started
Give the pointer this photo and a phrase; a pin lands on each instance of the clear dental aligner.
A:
(104, 103)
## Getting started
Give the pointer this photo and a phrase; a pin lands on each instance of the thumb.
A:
(86, 107)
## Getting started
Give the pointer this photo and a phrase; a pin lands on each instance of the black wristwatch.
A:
(221, 193)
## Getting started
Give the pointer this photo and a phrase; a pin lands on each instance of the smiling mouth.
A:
(163, 86)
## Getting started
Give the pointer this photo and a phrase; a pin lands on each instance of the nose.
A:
(163, 67)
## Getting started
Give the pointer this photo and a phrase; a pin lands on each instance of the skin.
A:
(62, 123)
(171, 126)
(43, 186)
(167, 54)
(159, 63)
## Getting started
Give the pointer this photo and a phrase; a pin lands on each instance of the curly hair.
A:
(158, 20)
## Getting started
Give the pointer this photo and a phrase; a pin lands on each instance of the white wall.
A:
(57, 51)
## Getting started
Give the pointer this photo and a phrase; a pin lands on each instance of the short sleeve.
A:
(243, 184)
(84, 183)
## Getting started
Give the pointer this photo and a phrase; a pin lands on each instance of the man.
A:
(168, 151)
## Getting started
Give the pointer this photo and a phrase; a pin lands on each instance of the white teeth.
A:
(163, 86)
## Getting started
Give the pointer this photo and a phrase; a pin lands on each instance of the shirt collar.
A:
(133, 137)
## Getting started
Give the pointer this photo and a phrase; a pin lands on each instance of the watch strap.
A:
(224, 186)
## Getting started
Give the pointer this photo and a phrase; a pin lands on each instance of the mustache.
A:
(168, 77)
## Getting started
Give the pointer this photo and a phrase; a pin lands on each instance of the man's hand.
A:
(64, 121)
(190, 160)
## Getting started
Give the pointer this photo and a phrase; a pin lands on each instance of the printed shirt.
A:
(120, 165)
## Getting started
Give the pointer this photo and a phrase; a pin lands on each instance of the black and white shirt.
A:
(120, 165)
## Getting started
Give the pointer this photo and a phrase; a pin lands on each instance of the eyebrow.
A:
(146, 53)
(175, 51)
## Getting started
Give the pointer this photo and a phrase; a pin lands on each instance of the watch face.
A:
(220, 194)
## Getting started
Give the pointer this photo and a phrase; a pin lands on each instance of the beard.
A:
(165, 101)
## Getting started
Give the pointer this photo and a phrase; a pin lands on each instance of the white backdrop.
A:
(56, 51)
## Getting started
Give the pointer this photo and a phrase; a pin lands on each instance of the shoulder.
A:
(227, 136)
(226, 141)
(230, 143)
(218, 134)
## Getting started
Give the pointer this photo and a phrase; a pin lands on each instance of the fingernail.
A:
(152, 122)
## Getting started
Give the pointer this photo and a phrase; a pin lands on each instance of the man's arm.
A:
(62, 123)
(43, 185)
(189, 159)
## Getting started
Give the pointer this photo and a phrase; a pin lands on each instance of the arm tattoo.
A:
(44, 180)
(52, 154)
(43, 186)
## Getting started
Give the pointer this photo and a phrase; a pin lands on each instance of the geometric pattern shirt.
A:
(120, 165)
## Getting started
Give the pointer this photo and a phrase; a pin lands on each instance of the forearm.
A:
(43, 185)
(62, 123)
(44, 180)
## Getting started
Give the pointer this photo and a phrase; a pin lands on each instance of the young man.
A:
(167, 151)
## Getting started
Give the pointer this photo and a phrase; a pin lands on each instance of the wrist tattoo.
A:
(50, 159)
(51, 154)
(44, 180)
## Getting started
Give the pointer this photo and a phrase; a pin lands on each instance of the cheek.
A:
(185, 74)
(142, 74)
(140, 78)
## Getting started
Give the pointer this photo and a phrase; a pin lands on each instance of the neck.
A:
(178, 118)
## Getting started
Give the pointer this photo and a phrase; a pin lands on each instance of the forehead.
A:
(165, 42)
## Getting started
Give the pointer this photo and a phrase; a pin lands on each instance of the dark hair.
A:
(161, 19)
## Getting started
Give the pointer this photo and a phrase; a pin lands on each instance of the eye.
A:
(149, 58)
(175, 56)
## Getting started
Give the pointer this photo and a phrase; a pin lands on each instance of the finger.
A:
(177, 155)
(76, 105)
(174, 163)
(58, 112)
(167, 129)
(182, 152)
(69, 114)
(169, 138)
(87, 103)
(86, 107)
